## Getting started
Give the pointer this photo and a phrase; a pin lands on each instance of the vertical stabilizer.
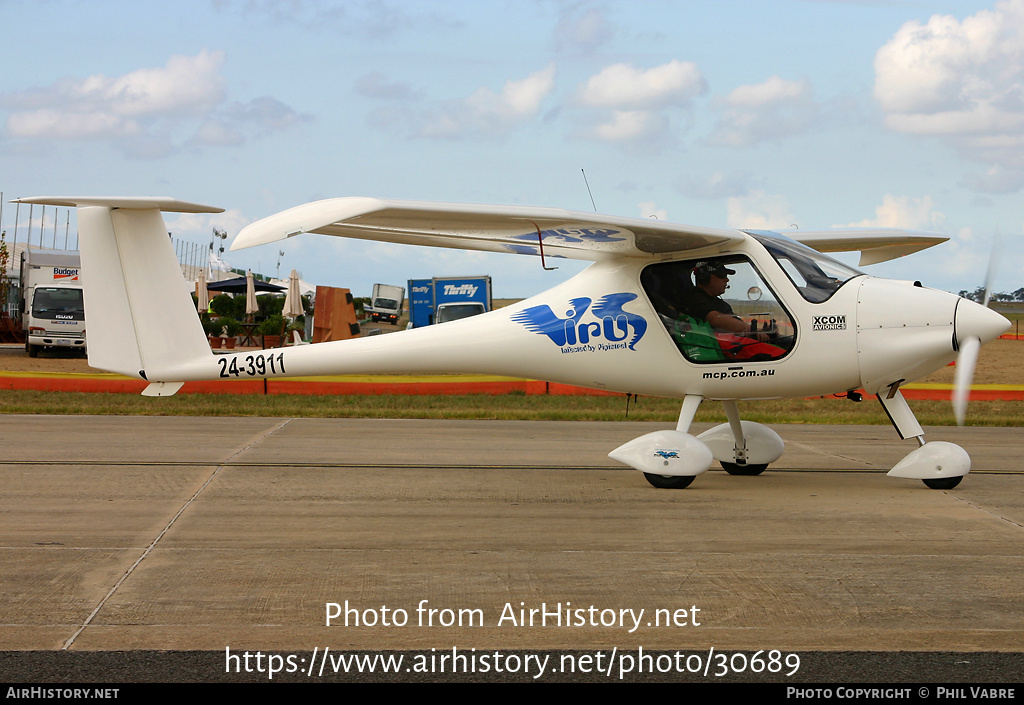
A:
(140, 320)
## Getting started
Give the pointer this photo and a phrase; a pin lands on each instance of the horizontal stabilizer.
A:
(160, 203)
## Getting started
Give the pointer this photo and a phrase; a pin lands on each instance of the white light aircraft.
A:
(666, 310)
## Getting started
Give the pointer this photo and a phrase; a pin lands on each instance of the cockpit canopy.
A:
(815, 276)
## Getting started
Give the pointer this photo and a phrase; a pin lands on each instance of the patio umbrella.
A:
(250, 294)
(202, 293)
(293, 300)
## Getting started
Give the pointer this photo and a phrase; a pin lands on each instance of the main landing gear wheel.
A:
(669, 482)
(944, 483)
(749, 469)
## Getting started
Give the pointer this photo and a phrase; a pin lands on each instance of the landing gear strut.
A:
(743, 447)
(671, 459)
(940, 465)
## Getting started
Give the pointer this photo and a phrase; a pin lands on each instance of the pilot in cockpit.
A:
(704, 303)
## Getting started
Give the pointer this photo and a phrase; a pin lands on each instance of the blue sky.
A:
(736, 113)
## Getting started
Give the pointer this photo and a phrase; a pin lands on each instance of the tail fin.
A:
(139, 319)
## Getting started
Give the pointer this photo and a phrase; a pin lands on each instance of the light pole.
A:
(222, 235)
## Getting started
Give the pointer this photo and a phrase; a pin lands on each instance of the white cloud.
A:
(62, 124)
(903, 212)
(489, 113)
(622, 86)
(763, 111)
(959, 80)
(631, 126)
(772, 92)
(948, 67)
(104, 106)
(630, 106)
(759, 211)
(142, 110)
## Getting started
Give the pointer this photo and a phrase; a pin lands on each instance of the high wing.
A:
(514, 229)
(875, 244)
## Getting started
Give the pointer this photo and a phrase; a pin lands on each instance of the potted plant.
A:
(271, 329)
(299, 326)
(212, 327)
(231, 329)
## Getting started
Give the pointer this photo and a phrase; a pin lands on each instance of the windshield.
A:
(453, 312)
(385, 303)
(58, 303)
(815, 275)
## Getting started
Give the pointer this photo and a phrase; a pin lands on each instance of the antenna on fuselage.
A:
(588, 189)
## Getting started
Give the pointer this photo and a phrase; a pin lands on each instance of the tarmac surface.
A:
(169, 537)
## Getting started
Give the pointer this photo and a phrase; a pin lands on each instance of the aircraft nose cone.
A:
(976, 321)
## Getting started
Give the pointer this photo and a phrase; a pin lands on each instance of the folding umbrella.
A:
(250, 294)
(202, 293)
(293, 300)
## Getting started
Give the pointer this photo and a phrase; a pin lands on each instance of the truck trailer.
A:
(52, 307)
(443, 299)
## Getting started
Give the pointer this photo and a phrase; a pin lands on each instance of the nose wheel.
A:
(944, 483)
(748, 469)
(940, 465)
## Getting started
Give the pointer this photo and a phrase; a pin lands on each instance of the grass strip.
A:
(827, 410)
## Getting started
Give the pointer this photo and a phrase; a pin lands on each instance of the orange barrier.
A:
(360, 385)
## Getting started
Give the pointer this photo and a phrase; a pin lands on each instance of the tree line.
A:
(979, 295)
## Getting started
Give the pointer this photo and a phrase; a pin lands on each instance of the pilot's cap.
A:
(705, 269)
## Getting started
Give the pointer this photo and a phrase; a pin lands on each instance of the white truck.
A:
(52, 308)
(386, 303)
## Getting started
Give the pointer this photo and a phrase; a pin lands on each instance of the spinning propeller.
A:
(969, 326)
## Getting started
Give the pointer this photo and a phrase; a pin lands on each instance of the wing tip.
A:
(304, 218)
